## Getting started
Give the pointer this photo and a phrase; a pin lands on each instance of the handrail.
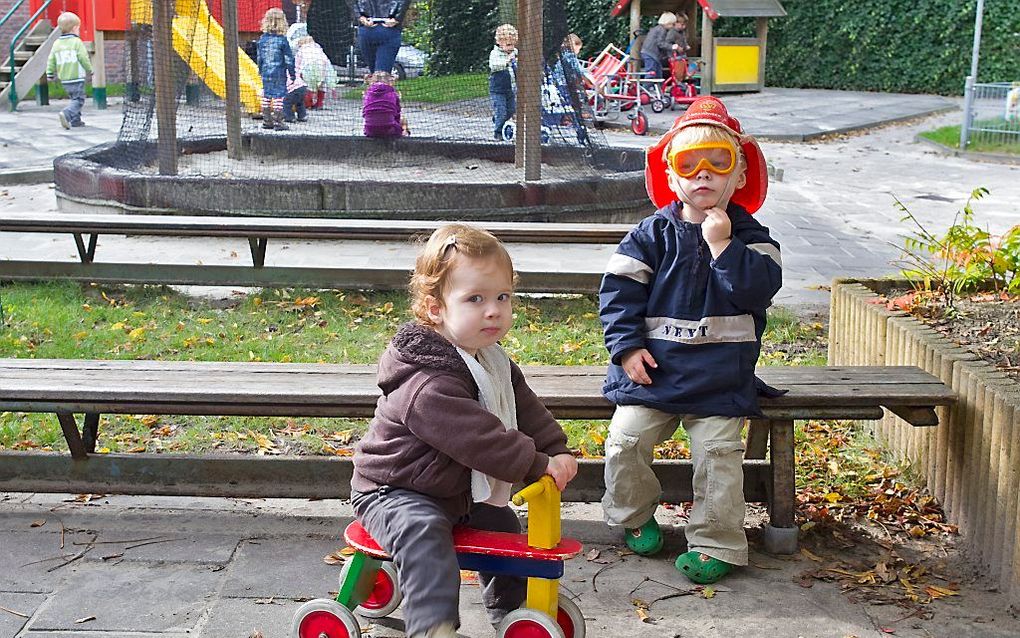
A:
(11, 12)
(13, 95)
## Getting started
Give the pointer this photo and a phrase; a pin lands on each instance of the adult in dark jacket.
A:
(380, 23)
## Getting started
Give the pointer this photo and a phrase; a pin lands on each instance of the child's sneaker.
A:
(63, 120)
(702, 568)
(645, 540)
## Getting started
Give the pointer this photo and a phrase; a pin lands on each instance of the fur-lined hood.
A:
(415, 347)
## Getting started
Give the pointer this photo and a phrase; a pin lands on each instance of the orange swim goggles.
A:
(718, 157)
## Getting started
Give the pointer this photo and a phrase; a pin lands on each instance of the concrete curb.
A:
(807, 137)
(999, 158)
(26, 176)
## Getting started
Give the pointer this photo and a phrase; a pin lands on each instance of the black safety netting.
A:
(454, 66)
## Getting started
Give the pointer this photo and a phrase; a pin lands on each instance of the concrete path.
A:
(131, 567)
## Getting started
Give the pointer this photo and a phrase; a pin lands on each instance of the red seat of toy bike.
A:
(467, 540)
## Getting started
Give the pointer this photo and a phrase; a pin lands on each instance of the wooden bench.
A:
(87, 228)
(93, 388)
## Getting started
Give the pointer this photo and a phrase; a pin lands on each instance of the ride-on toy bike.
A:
(369, 584)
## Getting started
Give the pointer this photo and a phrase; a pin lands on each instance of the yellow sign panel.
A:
(737, 64)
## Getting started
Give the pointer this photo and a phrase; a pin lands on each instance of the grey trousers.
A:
(76, 94)
(716, 523)
(417, 533)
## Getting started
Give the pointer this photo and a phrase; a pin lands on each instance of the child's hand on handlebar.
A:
(562, 468)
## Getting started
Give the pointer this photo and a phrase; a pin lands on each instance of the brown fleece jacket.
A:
(430, 431)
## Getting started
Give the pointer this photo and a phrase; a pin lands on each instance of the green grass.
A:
(70, 321)
(437, 90)
(57, 91)
(950, 136)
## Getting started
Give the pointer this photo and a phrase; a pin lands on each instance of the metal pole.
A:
(530, 77)
(968, 104)
(522, 44)
(166, 97)
(232, 77)
(976, 52)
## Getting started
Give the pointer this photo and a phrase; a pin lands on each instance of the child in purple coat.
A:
(381, 107)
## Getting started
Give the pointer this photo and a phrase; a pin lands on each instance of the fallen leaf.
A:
(593, 554)
(814, 557)
(85, 619)
(708, 592)
(38, 523)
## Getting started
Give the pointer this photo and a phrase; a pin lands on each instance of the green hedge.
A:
(875, 45)
(461, 33)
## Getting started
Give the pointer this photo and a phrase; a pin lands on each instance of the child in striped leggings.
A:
(276, 66)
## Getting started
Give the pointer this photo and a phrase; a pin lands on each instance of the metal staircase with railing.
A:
(26, 56)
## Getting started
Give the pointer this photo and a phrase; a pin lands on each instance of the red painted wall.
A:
(114, 15)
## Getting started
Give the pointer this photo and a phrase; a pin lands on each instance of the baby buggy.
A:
(558, 119)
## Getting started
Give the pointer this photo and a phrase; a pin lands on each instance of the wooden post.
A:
(99, 70)
(708, 73)
(763, 36)
(529, 77)
(232, 77)
(166, 97)
(635, 17)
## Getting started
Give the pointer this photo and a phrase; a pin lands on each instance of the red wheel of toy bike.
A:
(321, 617)
(528, 623)
(385, 596)
(639, 125)
(570, 619)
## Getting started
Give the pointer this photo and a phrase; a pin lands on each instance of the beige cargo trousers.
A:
(716, 524)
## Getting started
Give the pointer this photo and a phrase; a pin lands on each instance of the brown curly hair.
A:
(438, 256)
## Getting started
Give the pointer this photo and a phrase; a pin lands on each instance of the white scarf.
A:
(491, 372)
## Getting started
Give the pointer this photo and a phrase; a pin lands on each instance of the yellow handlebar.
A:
(535, 490)
(543, 512)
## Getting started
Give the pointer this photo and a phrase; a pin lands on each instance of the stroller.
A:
(557, 117)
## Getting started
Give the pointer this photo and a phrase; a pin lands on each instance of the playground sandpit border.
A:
(117, 177)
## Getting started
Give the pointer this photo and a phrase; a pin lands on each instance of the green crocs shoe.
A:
(645, 540)
(702, 572)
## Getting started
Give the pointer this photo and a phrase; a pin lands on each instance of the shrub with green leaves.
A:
(967, 258)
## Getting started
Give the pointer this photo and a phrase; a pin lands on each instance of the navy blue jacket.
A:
(701, 318)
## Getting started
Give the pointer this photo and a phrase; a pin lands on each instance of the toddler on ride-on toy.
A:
(456, 426)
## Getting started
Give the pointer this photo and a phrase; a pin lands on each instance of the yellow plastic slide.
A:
(198, 39)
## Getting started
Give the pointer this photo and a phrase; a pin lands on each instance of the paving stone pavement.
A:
(171, 567)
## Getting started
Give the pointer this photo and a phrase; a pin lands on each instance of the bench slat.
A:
(338, 390)
(302, 227)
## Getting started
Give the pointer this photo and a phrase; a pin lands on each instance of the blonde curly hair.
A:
(274, 21)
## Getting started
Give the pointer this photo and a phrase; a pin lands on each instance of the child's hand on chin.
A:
(562, 468)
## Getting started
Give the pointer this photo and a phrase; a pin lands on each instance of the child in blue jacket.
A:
(276, 66)
(683, 308)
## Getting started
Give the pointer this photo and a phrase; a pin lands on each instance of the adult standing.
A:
(380, 23)
(657, 45)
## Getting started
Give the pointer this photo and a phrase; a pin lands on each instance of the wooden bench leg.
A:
(757, 438)
(70, 429)
(781, 534)
(86, 254)
(90, 431)
(258, 250)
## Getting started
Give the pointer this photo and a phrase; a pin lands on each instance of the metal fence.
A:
(991, 116)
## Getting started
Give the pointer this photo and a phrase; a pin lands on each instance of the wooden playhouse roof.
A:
(742, 8)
